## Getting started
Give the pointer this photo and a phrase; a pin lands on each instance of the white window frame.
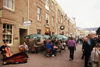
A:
(6, 35)
(52, 5)
(47, 17)
(52, 21)
(7, 6)
(47, 4)
(38, 13)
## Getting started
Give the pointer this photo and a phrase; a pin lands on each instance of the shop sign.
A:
(27, 23)
(47, 30)
(62, 27)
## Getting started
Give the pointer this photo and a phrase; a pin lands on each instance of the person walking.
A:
(72, 47)
(92, 43)
(89, 44)
(83, 55)
(87, 51)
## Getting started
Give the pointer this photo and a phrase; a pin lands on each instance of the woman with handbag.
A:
(72, 47)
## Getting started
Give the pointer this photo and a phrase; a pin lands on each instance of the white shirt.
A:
(25, 46)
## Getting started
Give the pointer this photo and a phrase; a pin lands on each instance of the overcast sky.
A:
(86, 12)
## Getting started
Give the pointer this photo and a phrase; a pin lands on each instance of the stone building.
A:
(72, 27)
(13, 15)
(61, 21)
(11, 22)
(42, 17)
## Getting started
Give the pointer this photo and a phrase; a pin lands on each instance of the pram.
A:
(16, 58)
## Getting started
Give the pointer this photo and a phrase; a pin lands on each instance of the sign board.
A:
(27, 23)
(0, 13)
(62, 27)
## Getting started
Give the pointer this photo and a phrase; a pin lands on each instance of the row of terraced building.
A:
(44, 17)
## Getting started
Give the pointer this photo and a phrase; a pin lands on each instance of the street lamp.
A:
(28, 22)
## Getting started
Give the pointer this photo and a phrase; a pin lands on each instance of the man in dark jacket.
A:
(89, 44)
(92, 44)
(87, 52)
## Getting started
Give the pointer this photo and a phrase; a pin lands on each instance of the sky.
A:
(86, 12)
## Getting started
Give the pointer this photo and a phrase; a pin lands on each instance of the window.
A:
(42, 0)
(7, 33)
(52, 4)
(47, 4)
(38, 31)
(61, 18)
(58, 13)
(52, 21)
(47, 18)
(8, 4)
(38, 14)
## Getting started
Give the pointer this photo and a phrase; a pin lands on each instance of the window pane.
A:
(8, 3)
(7, 33)
(4, 25)
(10, 26)
(11, 4)
(47, 18)
(52, 4)
(38, 13)
(7, 26)
(10, 41)
(47, 2)
(38, 10)
(38, 31)
(4, 2)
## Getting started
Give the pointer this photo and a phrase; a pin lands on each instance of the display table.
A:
(39, 47)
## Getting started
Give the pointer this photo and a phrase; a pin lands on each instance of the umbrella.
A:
(34, 36)
(66, 38)
(27, 37)
(46, 36)
(60, 37)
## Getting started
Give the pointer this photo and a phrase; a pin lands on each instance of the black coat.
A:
(88, 48)
(93, 43)
(1, 49)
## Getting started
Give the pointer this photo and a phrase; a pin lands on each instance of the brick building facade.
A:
(46, 17)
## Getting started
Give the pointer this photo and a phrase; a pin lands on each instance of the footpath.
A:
(61, 60)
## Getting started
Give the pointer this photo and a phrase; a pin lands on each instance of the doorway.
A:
(47, 31)
(22, 34)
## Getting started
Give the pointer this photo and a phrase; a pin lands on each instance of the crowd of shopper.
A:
(52, 46)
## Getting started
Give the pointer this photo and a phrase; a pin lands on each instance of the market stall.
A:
(34, 42)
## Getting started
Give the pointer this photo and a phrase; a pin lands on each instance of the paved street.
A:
(61, 60)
